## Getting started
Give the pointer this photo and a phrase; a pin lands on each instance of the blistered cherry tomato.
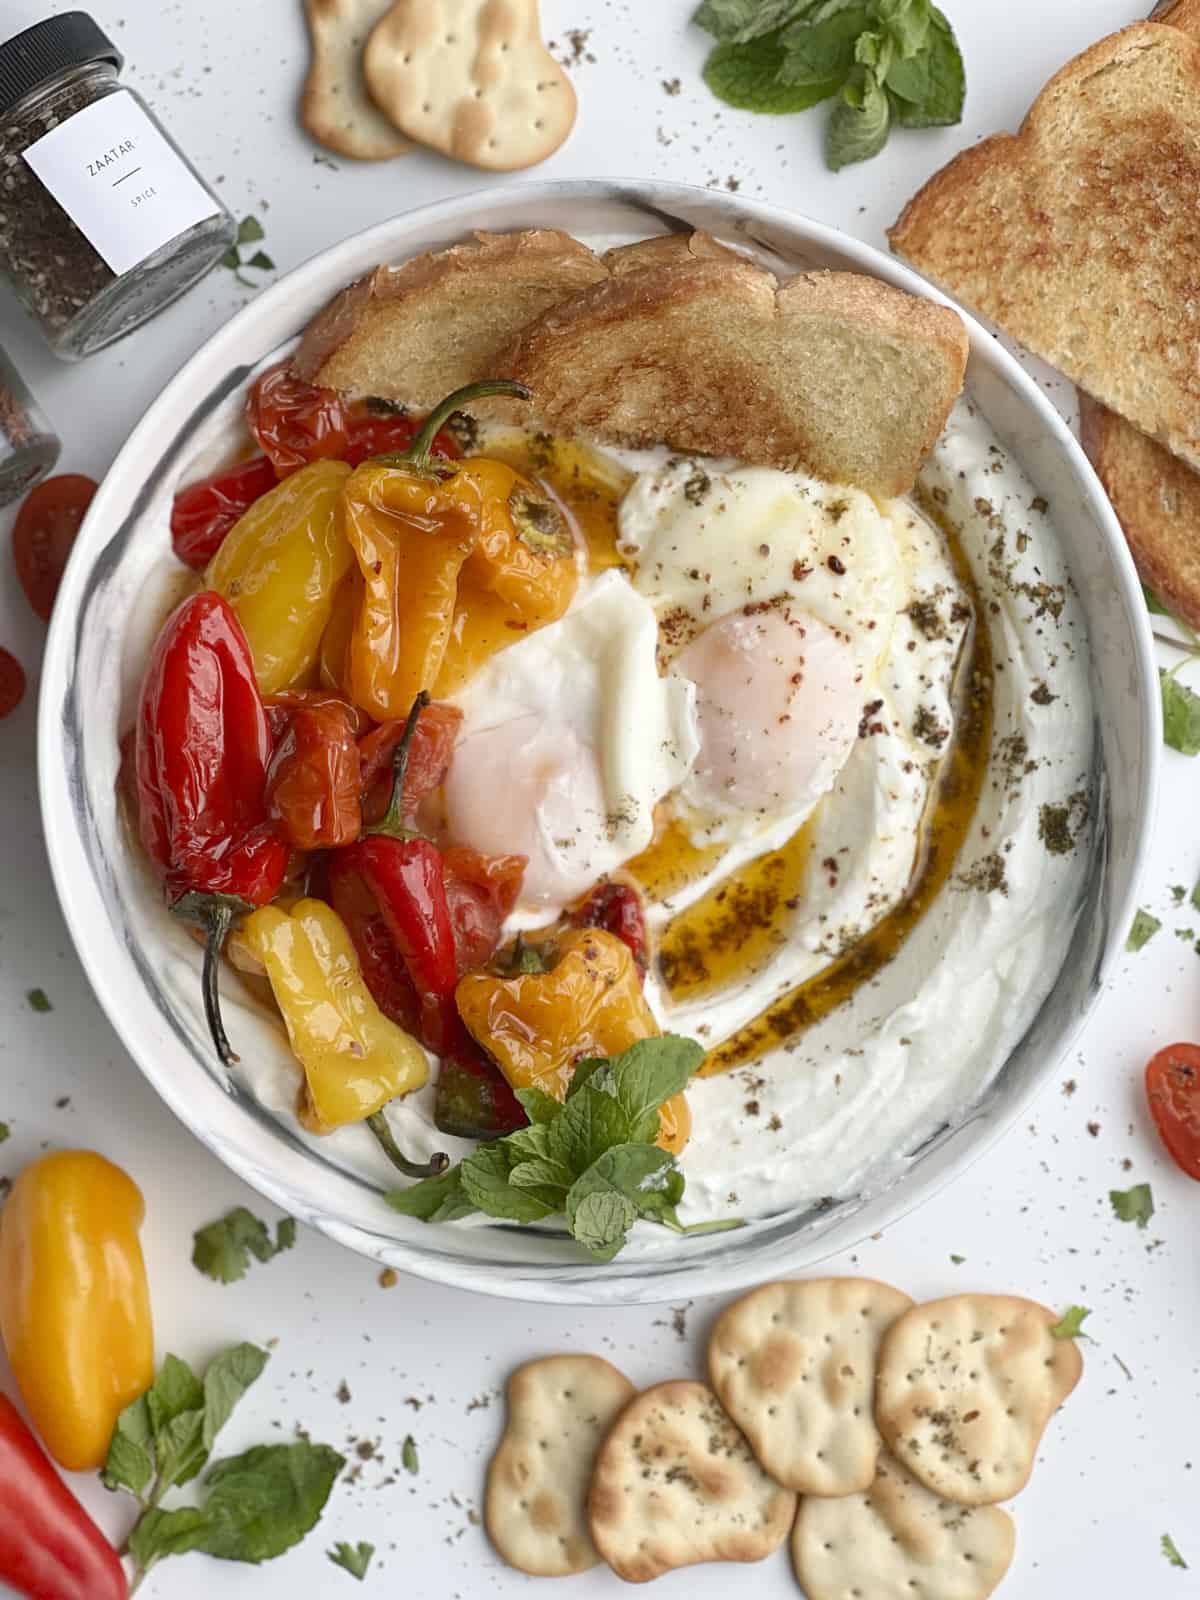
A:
(428, 758)
(314, 782)
(44, 532)
(480, 891)
(12, 682)
(204, 512)
(295, 422)
(617, 908)
(377, 433)
(1173, 1090)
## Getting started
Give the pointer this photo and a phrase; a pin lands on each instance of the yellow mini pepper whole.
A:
(588, 1002)
(279, 566)
(74, 1302)
(354, 1058)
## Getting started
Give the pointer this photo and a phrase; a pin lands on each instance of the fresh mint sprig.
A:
(256, 1506)
(1180, 705)
(886, 62)
(592, 1158)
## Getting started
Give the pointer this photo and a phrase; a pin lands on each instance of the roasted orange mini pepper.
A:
(74, 1303)
(580, 996)
(433, 539)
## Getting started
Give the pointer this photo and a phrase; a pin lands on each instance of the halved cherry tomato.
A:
(12, 682)
(44, 532)
(204, 512)
(314, 782)
(295, 422)
(428, 758)
(1173, 1090)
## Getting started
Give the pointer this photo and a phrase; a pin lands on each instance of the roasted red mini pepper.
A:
(203, 748)
(50, 1548)
(204, 512)
(617, 908)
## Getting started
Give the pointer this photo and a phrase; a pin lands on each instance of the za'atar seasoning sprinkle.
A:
(103, 221)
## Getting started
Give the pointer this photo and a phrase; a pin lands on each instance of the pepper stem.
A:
(418, 453)
(434, 1167)
(392, 821)
(216, 914)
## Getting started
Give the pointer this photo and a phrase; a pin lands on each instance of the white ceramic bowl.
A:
(92, 669)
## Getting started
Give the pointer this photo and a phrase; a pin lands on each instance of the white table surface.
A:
(1121, 1465)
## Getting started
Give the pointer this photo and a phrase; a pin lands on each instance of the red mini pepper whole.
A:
(204, 512)
(405, 876)
(50, 1549)
(203, 745)
(383, 967)
(376, 430)
(617, 908)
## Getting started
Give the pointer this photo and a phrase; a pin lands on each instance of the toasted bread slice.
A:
(667, 250)
(1080, 235)
(416, 331)
(837, 373)
(1157, 499)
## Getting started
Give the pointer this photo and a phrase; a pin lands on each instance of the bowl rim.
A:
(68, 855)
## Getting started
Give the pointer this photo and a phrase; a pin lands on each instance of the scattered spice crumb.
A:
(1094, 1129)
(1069, 1087)
(389, 1278)
(672, 86)
(343, 1392)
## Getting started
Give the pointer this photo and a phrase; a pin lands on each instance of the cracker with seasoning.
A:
(966, 1387)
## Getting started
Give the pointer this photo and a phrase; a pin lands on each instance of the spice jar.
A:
(28, 445)
(102, 219)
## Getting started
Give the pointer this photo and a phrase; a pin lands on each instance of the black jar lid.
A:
(39, 54)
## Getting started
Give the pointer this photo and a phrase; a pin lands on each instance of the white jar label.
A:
(119, 180)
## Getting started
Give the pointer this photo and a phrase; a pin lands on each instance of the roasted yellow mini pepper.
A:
(74, 1303)
(434, 539)
(279, 566)
(355, 1059)
(588, 1001)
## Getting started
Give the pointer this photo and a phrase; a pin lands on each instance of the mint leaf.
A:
(484, 1177)
(440, 1199)
(1171, 1551)
(907, 23)
(1181, 715)
(538, 1106)
(1133, 1205)
(752, 77)
(928, 89)
(231, 259)
(226, 1380)
(158, 1534)
(222, 1250)
(1144, 928)
(739, 21)
(874, 51)
(624, 1170)
(355, 1558)
(547, 1177)
(821, 54)
(250, 231)
(858, 125)
(591, 1122)
(1071, 1324)
(601, 1221)
(176, 1389)
(1153, 604)
(130, 1461)
(648, 1074)
(262, 261)
(262, 1503)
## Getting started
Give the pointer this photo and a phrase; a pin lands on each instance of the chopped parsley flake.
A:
(355, 1558)
(1071, 1324)
(408, 1455)
(1144, 928)
(1171, 1551)
(39, 1000)
(1133, 1205)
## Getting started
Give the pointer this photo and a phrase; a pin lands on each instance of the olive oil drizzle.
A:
(948, 819)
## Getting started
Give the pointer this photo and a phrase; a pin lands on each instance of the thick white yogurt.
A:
(915, 1047)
